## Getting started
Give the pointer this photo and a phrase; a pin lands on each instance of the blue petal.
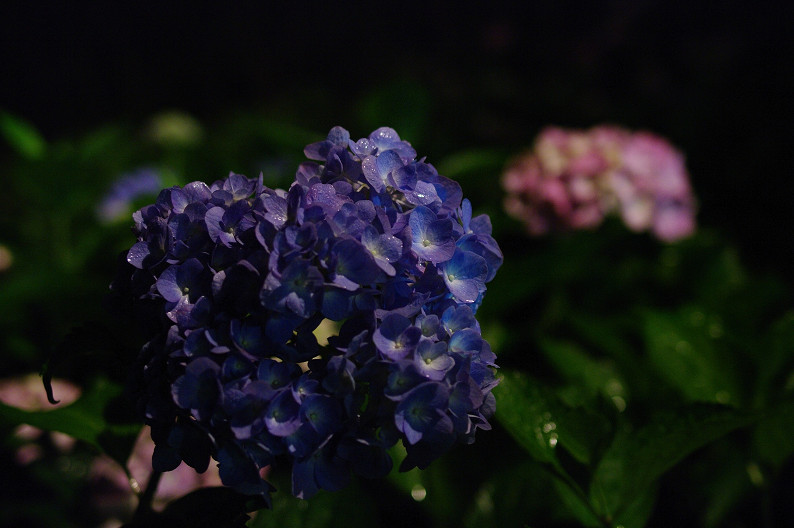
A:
(198, 388)
(322, 412)
(354, 262)
(303, 484)
(431, 359)
(396, 337)
(167, 285)
(431, 238)
(466, 341)
(465, 275)
(457, 318)
(419, 412)
(282, 417)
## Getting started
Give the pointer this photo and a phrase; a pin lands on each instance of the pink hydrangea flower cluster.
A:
(573, 179)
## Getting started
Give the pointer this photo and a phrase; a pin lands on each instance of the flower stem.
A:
(145, 500)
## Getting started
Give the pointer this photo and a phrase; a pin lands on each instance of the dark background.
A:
(713, 77)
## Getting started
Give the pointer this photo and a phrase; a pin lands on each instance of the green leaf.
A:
(541, 420)
(637, 458)
(636, 513)
(730, 478)
(405, 481)
(513, 285)
(435, 489)
(403, 105)
(489, 161)
(324, 510)
(776, 365)
(22, 136)
(85, 419)
(774, 435)
(576, 504)
(523, 491)
(723, 277)
(608, 335)
(572, 362)
(539, 423)
(525, 411)
(283, 134)
(684, 353)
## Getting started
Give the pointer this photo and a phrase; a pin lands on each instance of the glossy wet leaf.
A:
(637, 458)
(541, 420)
(683, 348)
(526, 414)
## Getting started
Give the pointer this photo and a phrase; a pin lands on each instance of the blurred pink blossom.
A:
(27, 393)
(573, 179)
(113, 492)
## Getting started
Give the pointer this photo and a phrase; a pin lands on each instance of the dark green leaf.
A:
(405, 481)
(774, 435)
(578, 367)
(637, 458)
(85, 419)
(724, 275)
(23, 136)
(525, 411)
(324, 510)
(636, 513)
(283, 134)
(540, 420)
(776, 365)
(436, 488)
(682, 347)
(487, 161)
(576, 504)
(403, 105)
(526, 492)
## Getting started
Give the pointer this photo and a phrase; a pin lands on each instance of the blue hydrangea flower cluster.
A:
(234, 278)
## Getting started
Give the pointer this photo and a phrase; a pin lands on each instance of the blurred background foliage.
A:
(645, 384)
